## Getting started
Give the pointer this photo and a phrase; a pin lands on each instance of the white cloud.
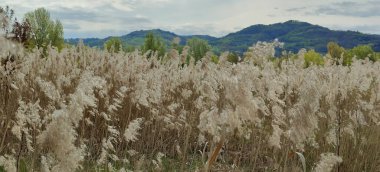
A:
(349, 8)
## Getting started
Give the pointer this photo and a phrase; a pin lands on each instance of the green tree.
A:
(198, 48)
(153, 44)
(233, 58)
(312, 57)
(129, 48)
(215, 59)
(335, 50)
(363, 51)
(56, 35)
(44, 31)
(113, 45)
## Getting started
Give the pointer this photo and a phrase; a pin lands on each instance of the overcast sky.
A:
(102, 18)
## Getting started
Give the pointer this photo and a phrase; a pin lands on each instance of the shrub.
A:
(233, 58)
(363, 51)
(113, 45)
(198, 48)
(312, 57)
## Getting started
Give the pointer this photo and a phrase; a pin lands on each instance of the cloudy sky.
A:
(102, 18)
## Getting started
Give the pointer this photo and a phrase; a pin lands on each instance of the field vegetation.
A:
(76, 108)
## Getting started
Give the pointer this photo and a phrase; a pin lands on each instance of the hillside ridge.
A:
(295, 35)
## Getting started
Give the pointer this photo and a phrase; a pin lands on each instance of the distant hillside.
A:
(294, 34)
(136, 38)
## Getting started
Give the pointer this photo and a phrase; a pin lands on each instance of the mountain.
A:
(294, 34)
(136, 38)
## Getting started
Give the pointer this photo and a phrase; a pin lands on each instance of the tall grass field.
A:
(85, 109)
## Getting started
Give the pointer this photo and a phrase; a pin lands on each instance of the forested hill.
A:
(136, 38)
(294, 34)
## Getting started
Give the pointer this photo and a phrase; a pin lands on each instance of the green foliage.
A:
(347, 59)
(360, 52)
(363, 51)
(377, 56)
(198, 48)
(129, 48)
(215, 59)
(56, 34)
(335, 50)
(153, 44)
(312, 57)
(44, 31)
(233, 58)
(113, 45)
(23, 167)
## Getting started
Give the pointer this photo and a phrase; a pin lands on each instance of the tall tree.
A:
(44, 31)
(56, 35)
(113, 45)
(335, 50)
(198, 48)
(153, 44)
